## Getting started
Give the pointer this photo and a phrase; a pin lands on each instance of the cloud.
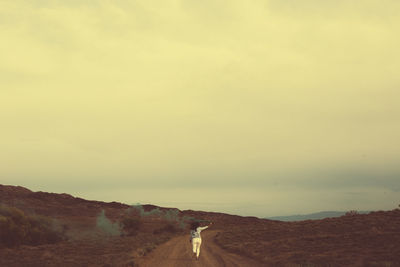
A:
(183, 93)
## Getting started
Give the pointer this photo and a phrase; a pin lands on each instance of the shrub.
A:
(17, 228)
(107, 226)
(130, 225)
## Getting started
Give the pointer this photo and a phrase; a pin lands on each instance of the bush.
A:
(107, 226)
(16, 228)
(130, 225)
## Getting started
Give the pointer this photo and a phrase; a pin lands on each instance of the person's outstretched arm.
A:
(203, 228)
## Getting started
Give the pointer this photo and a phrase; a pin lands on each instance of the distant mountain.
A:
(312, 216)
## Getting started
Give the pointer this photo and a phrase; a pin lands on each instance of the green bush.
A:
(17, 228)
(107, 226)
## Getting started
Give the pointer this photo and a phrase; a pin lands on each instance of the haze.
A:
(247, 107)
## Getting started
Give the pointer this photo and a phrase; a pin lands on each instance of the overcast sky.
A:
(247, 107)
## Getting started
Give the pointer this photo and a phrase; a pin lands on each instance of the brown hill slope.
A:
(92, 230)
(93, 236)
(358, 240)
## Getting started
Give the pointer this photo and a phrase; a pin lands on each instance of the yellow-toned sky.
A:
(257, 107)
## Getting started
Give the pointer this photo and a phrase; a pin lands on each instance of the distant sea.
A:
(312, 216)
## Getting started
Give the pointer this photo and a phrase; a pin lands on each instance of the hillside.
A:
(311, 216)
(95, 233)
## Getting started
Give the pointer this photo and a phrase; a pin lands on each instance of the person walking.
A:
(195, 237)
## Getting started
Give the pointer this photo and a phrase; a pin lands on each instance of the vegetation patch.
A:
(130, 225)
(18, 228)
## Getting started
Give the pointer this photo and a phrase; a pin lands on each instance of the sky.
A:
(256, 108)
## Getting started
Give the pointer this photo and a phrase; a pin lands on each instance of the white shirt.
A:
(196, 234)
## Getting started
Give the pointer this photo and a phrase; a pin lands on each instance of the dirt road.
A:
(177, 253)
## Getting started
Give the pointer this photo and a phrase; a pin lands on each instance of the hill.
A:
(311, 216)
(95, 233)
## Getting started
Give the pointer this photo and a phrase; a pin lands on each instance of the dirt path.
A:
(177, 253)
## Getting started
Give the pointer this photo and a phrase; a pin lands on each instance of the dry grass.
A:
(356, 240)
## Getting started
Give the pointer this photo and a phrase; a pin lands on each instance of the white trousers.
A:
(196, 243)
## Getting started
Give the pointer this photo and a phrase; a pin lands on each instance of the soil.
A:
(178, 253)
